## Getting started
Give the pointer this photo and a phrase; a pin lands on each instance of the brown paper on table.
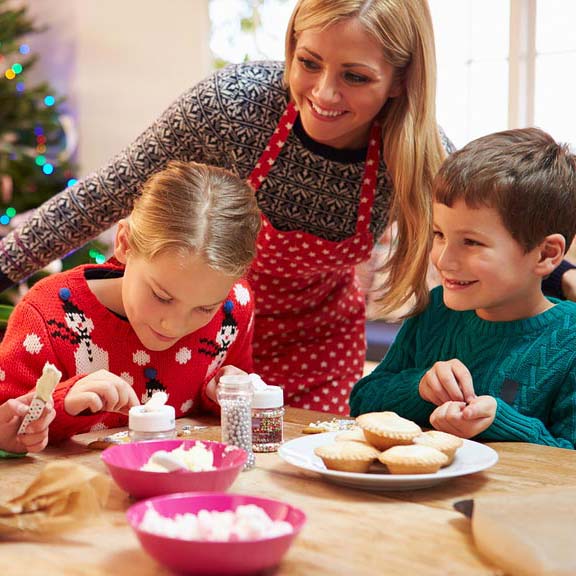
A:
(61, 496)
(528, 534)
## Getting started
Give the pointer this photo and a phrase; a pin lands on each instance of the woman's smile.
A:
(325, 113)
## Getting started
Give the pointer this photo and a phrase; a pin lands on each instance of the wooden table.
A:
(349, 531)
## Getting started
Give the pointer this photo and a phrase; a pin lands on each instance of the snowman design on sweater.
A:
(225, 336)
(77, 328)
(152, 384)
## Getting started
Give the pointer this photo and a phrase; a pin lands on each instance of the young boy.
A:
(491, 357)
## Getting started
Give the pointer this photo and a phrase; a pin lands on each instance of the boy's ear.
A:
(121, 245)
(551, 252)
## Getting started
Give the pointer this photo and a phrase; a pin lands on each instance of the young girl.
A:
(337, 142)
(166, 313)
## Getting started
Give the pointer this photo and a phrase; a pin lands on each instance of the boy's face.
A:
(171, 296)
(482, 267)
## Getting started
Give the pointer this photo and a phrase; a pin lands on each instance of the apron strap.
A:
(369, 178)
(274, 147)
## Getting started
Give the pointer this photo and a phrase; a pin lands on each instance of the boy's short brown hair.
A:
(524, 174)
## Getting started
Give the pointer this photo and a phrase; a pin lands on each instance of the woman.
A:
(337, 143)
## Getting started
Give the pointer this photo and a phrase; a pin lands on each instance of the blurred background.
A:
(96, 73)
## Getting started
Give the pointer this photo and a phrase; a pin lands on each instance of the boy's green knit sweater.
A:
(528, 365)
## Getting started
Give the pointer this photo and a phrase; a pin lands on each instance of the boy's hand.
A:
(12, 413)
(100, 391)
(465, 420)
(445, 382)
(569, 284)
(213, 384)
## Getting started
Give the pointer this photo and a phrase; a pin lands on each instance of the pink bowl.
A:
(125, 460)
(211, 558)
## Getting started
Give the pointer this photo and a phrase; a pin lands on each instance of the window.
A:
(555, 63)
(472, 43)
(248, 29)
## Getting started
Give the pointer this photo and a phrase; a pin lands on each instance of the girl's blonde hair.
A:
(411, 142)
(191, 207)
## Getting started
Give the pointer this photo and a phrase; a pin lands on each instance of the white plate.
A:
(471, 457)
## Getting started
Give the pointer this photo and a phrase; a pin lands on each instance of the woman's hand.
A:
(100, 391)
(445, 382)
(12, 413)
(465, 420)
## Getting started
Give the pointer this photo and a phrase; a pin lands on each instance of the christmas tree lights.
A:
(34, 161)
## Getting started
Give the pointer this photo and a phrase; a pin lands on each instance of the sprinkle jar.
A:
(157, 424)
(235, 398)
(267, 419)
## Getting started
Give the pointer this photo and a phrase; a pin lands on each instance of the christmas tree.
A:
(33, 156)
(35, 162)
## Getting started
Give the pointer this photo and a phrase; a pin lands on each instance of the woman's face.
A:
(339, 81)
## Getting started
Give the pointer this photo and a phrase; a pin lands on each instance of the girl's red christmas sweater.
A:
(60, 321)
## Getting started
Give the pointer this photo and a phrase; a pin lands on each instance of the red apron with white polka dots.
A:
(310, 314)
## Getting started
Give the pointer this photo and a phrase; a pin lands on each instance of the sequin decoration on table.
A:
(334, 425)
(123, 437)
(188, 430)
(111, 440)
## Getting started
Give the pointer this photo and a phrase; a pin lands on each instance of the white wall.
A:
(119, 63)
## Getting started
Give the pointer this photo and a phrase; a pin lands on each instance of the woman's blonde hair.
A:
(411, 142)
(191, 207)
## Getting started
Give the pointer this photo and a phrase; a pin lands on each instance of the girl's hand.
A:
(12, 413)
(100, 391)
(445, 382)
(213, 384)
(465, 420)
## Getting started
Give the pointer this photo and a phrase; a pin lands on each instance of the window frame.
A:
(522, 63)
